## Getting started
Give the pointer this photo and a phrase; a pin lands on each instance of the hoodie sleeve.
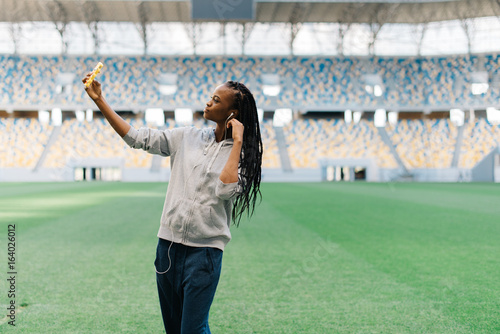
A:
(226, 191)
(161, 142)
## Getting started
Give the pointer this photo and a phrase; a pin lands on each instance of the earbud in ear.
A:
(230, 116)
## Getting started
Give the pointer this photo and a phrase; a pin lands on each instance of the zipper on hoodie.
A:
(211, 162)
(211, 140)
(216, 153)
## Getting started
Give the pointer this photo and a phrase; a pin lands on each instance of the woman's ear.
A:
(233, 114)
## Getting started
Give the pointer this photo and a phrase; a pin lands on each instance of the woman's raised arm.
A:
(230, 172)
(94, 91)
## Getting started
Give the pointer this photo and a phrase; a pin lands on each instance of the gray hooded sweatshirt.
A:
(198, 205)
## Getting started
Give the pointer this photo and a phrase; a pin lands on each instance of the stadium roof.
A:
(147, 11)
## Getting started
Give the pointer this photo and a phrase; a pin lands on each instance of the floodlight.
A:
(155, 116)
(80, 115)
(183, 116)
(479, 82)
(393, 117)
(43, 116)
(282, 117)
(479, 88)
(380, 118)
(348, 116)
(373, 84)
(356, 116)
(167, 83)
(377, 90)
(271, 84)
(493, 115)
(56, 117)
(260, 114)
(457, 117)
(64, 81)
(89, 115)
(271, 90)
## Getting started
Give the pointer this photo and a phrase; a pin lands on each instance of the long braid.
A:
(250, 165)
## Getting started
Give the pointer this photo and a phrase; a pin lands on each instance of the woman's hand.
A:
(238, 130)
(94, 90)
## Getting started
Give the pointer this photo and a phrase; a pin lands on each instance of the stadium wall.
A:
(268, 175)
(488, 169)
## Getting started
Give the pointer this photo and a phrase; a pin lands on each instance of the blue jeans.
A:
(187, 289)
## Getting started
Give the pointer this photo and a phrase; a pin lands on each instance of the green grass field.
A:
(315, 258)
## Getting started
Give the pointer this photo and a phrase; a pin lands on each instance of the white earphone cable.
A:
(225, 125)
(169, 261)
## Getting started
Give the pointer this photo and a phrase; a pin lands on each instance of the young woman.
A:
(215, 178)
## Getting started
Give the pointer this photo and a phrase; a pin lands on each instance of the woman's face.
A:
(220, 105)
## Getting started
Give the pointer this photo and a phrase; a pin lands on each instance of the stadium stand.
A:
(312, 139)
(480, 138)
(420, 143)
(25, 138)
(79, 140)
(309, 83)
(97, 140)
(424, 143)
(131, 83)
(270, 157)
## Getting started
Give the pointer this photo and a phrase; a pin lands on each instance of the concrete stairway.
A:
(286, 165)
(458, 147)
(387, 140)
(52, 139)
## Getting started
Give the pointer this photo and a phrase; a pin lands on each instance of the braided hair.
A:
(251, 151)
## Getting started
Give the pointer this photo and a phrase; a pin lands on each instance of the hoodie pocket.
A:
(177, 214)
(202, 224)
